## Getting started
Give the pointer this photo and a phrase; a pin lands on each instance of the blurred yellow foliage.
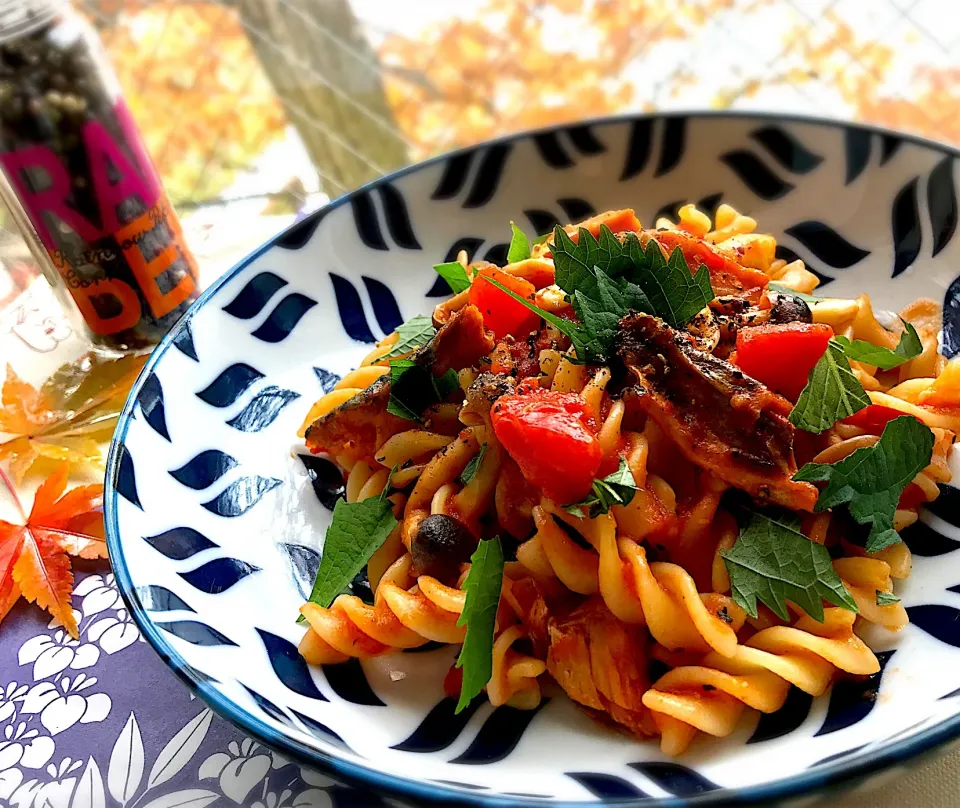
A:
(196, 90)
(207, 109)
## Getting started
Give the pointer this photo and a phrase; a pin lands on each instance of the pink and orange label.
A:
(116, 179)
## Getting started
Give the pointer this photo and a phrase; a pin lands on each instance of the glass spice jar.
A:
(78, 175)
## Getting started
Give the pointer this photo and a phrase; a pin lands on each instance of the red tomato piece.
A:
(501, 313)
(453, 682)
(619, 221)
(782, 356)
(873, 418)
(912, 496)
(552, 438)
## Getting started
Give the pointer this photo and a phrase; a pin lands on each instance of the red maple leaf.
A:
(34, 556)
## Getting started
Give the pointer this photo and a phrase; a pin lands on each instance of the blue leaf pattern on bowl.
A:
(204, 470)
(241, 495)
(263, 409)
(218, 575)
(250, 300)
(229, 385)
(180, 543)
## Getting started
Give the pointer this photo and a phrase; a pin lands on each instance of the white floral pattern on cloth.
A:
(76, 732)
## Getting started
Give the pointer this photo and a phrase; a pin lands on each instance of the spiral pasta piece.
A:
(664, 596)
(436, 489)
(514, 677)
(865, 578)
(408, 612)
(402, 616)
(807, 653)
(710, 698)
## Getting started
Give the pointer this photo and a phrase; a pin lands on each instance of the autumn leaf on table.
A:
(34, 556)
(68, 418)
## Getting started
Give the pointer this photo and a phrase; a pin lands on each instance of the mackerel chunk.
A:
(720, 419)
(359, 427)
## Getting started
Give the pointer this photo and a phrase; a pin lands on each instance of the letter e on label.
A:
(147, 272)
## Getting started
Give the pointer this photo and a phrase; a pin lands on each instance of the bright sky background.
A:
(722, 56)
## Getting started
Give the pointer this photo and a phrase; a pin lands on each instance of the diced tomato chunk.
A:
(552, 438)
(912, 496)
(453, 682)
(782, 356)
(872, 418)
(726, 275)
(501, 313)
(619, 221)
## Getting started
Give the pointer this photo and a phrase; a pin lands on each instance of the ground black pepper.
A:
(74, 158)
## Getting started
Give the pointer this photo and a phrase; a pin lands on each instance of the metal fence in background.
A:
(260, 109)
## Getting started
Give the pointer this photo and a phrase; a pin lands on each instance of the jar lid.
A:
(21, 17)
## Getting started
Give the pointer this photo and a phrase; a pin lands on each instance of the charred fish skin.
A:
(721, 419)
(364, 423)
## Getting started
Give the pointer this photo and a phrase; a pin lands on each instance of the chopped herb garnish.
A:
(482, 585)
(773, 562)
(454, 274)
(470, 470)
(412, 334)
(832, 392)
(356, 532)
(675, 293)
(519, 249)
(614, 489)
(872, 479)
(578, 262)
(634, 280)
(886, 598)
(576, 332)
(413, 388)
(671, 291)
(908, 348)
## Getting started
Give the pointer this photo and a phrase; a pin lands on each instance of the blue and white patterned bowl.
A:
(214, 520)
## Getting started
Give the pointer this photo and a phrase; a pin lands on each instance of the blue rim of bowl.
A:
(814, 779)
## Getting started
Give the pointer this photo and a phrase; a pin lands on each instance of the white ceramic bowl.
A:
(215, 524)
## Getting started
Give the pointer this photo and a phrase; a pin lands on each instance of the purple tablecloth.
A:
(103, 722)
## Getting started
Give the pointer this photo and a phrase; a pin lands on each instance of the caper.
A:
(441, 544)
(789, 309)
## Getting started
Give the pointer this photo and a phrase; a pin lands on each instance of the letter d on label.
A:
(118, 293)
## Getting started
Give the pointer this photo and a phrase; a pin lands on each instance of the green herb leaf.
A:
(576, 332)
(832, 392)
(886, 598)
(470, 470)
(540, 239)
(519, 249)
(601, 298)
(413, 388)
(412, 334)
(773, 562)
(356, 532)
(810, 300)
(675, 293)
(860, 350)
(482, 586)
(577, 263)
(601, 313)
(454, 274)
(872, 479)
(614, 489)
